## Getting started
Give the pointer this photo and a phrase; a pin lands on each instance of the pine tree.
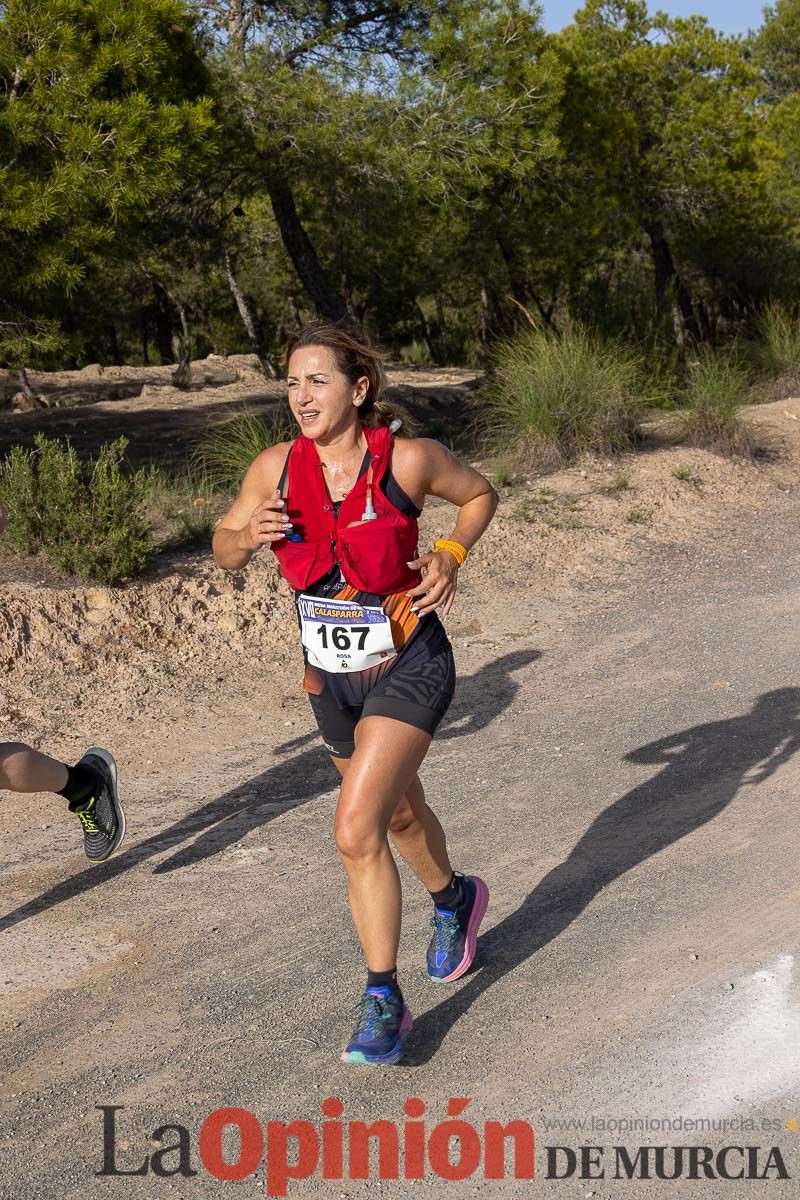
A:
(102, 109)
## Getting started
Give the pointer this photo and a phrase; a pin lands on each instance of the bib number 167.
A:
(341, 635)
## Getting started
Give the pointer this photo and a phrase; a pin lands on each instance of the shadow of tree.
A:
(703, 769)
(165, 433)
(156, 434)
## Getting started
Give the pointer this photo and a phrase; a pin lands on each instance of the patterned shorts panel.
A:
(418, 695)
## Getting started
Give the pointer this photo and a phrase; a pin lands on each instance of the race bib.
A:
(341, 635)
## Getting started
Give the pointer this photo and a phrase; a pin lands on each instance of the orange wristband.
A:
(458, 551)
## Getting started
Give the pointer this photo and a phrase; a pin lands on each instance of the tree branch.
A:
(332, 31)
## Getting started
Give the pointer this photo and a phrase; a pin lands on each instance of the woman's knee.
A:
(358, 835)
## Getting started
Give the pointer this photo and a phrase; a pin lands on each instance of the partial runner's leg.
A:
(23, 769)
(385, 761)
(90, 787)
(417, 834)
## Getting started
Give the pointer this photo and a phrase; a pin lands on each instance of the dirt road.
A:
(623, 775)
(619, 764)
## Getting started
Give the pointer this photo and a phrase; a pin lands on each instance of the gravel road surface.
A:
(623, 774)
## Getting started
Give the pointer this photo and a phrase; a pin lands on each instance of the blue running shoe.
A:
(455, 933)
(382, 1024)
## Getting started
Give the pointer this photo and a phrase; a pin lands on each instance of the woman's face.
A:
(323, 401)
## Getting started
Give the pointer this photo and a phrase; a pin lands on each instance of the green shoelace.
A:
(87, 820)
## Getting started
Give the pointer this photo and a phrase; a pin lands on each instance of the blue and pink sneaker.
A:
(455, 933)
(382, 1024)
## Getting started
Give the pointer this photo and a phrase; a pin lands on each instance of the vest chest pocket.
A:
(375, 554)
(340, 635)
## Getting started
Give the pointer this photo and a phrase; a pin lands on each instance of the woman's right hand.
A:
(268, 523)
(254, 521)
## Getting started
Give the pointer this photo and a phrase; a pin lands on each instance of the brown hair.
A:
(355, 357)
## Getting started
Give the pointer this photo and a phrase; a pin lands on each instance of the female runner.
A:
(339, 508)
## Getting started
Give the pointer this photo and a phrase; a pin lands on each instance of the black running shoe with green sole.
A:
(101, 815)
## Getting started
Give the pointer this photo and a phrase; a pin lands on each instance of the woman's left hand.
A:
(438, 586)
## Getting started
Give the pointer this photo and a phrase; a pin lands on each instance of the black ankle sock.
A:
(449, 897)
(81, 786)
(383, 979)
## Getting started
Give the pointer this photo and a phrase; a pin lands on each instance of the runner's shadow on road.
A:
(703, 769)
(289, 784)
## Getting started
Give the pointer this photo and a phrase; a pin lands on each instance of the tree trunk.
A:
(686, 328)
(521, 288)
(484, 321)
(327, 301)
(181, 348)
(163, 322)
(605, 279)
(143, 336)
(203, 323)
(516, 276)
(113, 338)
(31, 397)
(663, 265)
(547, 313)
(347, 296)
(441, 320)
(292, 321)
(247, 317)
(237, 26)
(428, 335)
(707, 323)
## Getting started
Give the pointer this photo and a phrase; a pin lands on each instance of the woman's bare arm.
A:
(424, 467)
(256, 518)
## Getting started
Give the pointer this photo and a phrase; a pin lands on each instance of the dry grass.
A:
(551, 398)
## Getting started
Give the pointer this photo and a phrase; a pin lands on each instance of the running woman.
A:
(339, 508)
(89, 787)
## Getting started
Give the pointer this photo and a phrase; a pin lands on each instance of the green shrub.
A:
(717, 385)
(776, 349)
(87, 518)
(415, 354)
(550, 398)
(227, 450)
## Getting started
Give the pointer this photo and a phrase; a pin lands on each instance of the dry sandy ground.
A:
(619, 765)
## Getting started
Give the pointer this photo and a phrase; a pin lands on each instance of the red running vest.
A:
(372, 554)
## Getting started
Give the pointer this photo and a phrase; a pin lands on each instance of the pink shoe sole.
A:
(476, 916)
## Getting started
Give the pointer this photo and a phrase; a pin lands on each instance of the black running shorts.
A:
(418, 694)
